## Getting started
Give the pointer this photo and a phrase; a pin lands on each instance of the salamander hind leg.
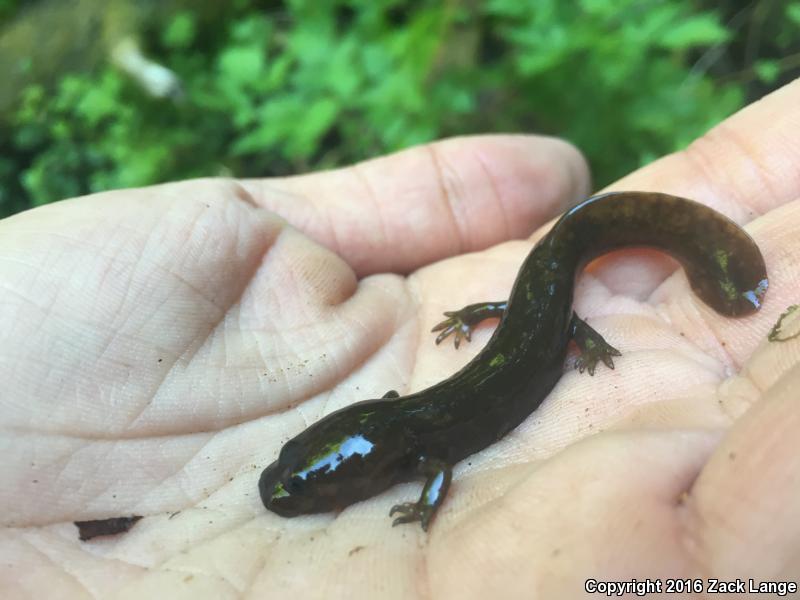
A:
(462, 322)
(593, 347)
(438, 475)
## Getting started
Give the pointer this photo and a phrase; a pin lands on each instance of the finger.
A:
(744, 509)
(405, 210)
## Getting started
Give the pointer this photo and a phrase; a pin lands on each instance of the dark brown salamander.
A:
(363, 449)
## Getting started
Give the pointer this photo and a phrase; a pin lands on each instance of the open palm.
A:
(160, 345)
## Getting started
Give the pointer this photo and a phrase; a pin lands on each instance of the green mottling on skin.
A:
(279, 491)
(326, 451)
(722, 260)
(498, 360)
(730, 290)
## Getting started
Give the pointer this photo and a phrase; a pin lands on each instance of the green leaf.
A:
(242, 65)
(767, 70)
(278, 71)
(701, 30)
(317, 119)
(180, 31)
(275, 119)
(793, 12)
(96, 105)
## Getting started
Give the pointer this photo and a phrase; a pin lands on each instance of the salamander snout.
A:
(326, 472)
(276, 489)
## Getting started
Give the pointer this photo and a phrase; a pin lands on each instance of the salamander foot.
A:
(413, 511)
(593, 347)
(462, 322)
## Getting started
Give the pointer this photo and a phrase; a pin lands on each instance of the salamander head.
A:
(318, 474)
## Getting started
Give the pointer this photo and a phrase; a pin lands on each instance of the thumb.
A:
(402, 211)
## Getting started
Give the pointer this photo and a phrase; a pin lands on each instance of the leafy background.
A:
(287, 87)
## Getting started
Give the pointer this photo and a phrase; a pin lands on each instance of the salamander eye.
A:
(295, 485)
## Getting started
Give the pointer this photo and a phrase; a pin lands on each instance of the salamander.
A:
(365, 448)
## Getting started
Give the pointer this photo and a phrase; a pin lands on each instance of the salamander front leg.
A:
(462, 322)
(438, 475)
(592, 346)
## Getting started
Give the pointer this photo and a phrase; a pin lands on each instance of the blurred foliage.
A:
(8, 8)
(285, 87)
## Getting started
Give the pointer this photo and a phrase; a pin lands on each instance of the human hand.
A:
(161, 345)
(155, 341)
